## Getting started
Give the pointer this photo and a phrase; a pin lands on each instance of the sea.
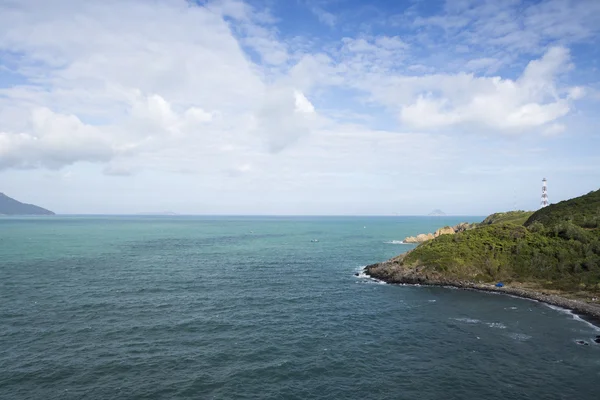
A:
(190, 307)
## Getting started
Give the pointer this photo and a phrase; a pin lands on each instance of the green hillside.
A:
(582, 211)
(513, 217)
(558, 247)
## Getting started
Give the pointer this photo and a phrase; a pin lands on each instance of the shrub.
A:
(536, 227)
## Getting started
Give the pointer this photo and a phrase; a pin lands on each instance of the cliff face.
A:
(9, 206)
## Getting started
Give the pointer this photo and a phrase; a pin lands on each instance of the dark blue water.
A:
(250, 308)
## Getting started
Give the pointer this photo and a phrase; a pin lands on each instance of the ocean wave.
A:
(467, 320)
(552, 306)
(395, 242)
(521, 337)
(573, 315)
(367, 279)
(497, 325)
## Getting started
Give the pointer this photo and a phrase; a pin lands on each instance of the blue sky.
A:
(299, 106)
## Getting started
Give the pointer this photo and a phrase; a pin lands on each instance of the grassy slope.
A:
(512, 217)
(558, 247)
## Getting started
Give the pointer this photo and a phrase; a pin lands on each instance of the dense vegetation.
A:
(9, 206)
(582, 211)
(556, 247)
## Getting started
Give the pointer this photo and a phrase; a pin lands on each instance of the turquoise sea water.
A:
(251, 308)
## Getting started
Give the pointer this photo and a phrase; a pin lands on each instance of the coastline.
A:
(390, 272)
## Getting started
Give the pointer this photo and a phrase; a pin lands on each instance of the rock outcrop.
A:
(463, 226)
(423, 237)
(447, 230)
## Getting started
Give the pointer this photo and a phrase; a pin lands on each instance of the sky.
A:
(296, 107)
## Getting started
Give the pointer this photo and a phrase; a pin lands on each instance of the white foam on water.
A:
(521, 337)
(496, 325)
(467, 320)
(372, 281)
(510, 308)
(395, 242)
(573, 315)
(362, 274)
(581, 342)
(367, 278)
(578, 318)
(557, 308)
(432, 301)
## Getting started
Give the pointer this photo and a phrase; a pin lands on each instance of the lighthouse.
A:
(544, 201)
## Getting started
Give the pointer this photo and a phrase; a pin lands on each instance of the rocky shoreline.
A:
(393, 272)
(447, 230)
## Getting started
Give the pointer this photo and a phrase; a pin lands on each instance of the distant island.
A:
(551, 255)
(437, 213)
(10, 206)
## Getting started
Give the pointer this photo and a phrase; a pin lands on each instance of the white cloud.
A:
(284, 117)
(576, 93)
(135, 89)
(554, 129)
(504, 30)
(484, 63)
(323, 16)
(188, 97)
(153, 116)
(52, 141)
(157, 72)
(118, 169)
(445, 100)
(187, 54)
(387, 49)
(238, 170)
(391, 42)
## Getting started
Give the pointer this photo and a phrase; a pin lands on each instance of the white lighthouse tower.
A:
(544, 201)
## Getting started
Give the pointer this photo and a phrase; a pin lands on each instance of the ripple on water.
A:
(521, 337)
(193, 308)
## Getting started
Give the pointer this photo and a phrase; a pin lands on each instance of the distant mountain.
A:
(437, 213)
(9, 206)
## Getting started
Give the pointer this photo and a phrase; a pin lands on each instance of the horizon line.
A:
(252, 215)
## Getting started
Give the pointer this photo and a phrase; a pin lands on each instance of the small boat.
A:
(314, 240)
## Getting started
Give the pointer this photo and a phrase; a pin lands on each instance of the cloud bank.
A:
(222, 88)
